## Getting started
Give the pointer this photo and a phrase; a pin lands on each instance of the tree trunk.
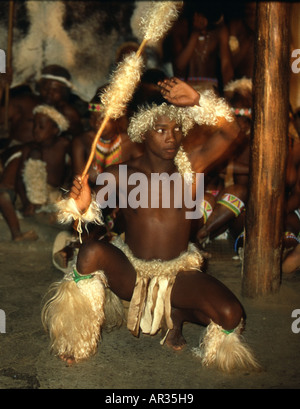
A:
(264, 214)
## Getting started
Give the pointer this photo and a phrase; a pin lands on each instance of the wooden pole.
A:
(8, 59)
(264, 214)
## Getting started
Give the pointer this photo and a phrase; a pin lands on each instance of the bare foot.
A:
(62, 257)
(68, 359)
(292, 261)
(27, 236)
(29, 210)
(175, 339)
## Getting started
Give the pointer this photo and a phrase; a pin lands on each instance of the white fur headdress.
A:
(209, 110)
(57, 117)
(144, 119)
(242, 86)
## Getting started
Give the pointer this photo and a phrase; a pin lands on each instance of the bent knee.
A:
(231, 315)
(89, 257)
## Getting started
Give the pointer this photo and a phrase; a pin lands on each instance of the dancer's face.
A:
(164, 139)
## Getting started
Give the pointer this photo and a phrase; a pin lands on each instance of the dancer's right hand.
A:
(81, 193)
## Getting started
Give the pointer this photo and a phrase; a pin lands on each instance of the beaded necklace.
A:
(107, 153)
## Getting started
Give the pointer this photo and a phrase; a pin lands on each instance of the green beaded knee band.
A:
(228, 331)
(77, 277)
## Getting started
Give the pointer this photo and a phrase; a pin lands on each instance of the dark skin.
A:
(21, 107)
(56, 94)
(81, 145)
(221, 217)
(48, 147)
(187, 49)
(20, 116)
(291, 260)
(244, 29)
(7, 207)
(158, 233)
(210, 151)
(81, 148)
(8, 177)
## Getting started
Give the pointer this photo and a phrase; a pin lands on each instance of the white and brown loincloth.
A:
(151, 299)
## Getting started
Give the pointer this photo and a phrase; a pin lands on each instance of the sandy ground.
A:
(123, 361)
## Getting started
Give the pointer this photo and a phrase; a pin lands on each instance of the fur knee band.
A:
(225, 350)
(74, 316)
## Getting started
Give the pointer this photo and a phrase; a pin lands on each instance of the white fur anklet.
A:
(68, 212)
(225, 350)
(75, 314)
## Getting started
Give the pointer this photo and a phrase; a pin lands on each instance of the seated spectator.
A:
(43, 163)
(54, 88)
(199, 43)
(8, 198)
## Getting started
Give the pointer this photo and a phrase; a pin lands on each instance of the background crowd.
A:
(51, 129)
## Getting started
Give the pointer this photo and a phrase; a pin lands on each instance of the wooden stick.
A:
(105, 120)
(141, 47)
(94, 145)
(9, 58)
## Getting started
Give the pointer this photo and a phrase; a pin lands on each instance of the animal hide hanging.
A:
(82, 36)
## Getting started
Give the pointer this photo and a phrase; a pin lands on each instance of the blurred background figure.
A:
(198, 46)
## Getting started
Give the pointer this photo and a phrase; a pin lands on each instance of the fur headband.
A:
(242, 86)
(209, 110)
(57, 117)
(57, 78)
(145, 118)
